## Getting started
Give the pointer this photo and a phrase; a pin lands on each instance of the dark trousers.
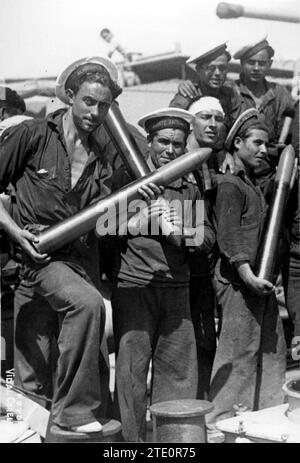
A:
(81, 385)
(152, 323)
(291, 282)
(202, 302)
(293, 302)
(250, 362)
(36, 331)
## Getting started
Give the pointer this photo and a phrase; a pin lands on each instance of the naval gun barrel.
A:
(268, 252)
(83, 221)
(231, 10)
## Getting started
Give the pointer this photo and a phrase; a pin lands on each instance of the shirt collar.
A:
(150, 163)
(239, 171)
(269, 95)
(207, 91)
(55, 120)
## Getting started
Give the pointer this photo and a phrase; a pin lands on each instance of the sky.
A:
(38, 38)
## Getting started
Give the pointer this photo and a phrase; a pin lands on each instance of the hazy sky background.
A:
(39, 37)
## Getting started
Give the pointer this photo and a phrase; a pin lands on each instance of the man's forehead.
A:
(219, 59)
(93, 89)
(209, 112)
(259, 133)
(170, 133)
(261, 55)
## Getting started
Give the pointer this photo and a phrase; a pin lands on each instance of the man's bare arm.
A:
(259, 286)
(22, 237)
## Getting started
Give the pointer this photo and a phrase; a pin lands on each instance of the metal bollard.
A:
(180, 421)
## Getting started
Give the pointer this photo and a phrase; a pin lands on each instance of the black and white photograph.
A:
(149, 224)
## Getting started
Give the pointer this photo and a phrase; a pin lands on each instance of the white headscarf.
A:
(206, 103)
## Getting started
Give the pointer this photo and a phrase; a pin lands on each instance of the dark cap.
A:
(251, 49)
(208, 53)
(248, 118)
(9, 97)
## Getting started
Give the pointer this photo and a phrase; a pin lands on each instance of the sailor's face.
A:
(253, 149)
(213, 74)
(90, 105)
(256, 67)
(166, 145)
(207, 126)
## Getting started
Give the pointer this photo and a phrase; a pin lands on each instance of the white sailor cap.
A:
(208, 53)
(252, 48)
(79, 67)
(166, 118)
